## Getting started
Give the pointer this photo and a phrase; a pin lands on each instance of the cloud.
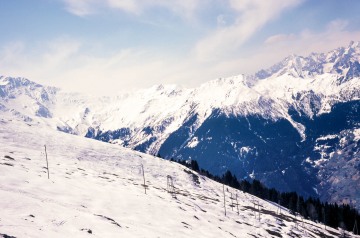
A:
(80, 7)
(60, 51)
(279, 46)
(40, 62)
(67, 63)
(279, 38)
(182, 8)
(221, 20)
(251, 15)
(337, 25)
(275, 48)
(11, 52)
(125, 5)
(334, 35)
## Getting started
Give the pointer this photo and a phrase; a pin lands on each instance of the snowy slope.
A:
(96, 189)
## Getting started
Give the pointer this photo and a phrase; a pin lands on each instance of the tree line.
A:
(330, 214)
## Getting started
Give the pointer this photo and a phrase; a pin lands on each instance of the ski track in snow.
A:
(95, 189)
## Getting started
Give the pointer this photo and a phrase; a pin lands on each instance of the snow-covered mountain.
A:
(343, 62)
(288, 126)
(96, 189)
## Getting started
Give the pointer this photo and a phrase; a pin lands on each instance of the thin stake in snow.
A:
(258, 208)
(278, 211)
(224, 199)
(302, 220)
(254, 208)
(47, 163)
(355, 228)
(324, 217)
(170, 186)
(237, 204)
(143, 174)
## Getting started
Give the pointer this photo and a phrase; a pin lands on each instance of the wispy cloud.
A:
(67, 63)
(42, 63)
(334, 35)
(12, 52)
(337, 25)
(182, 8)
(251, 15)
(279, 46)
(280, 38)
(80, 7)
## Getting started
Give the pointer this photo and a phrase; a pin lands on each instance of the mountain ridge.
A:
(343, 60)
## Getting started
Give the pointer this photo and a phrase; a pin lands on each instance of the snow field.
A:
(95, 189)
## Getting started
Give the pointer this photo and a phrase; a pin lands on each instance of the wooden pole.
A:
(355, 228)
(237, 205)
(324, 219)
(279, 207)
(254, 208)
(143, 173)
(224, 199)
(47, 163)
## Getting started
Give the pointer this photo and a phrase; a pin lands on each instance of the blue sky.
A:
(105, 46)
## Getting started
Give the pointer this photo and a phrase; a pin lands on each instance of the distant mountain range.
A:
(294, 126)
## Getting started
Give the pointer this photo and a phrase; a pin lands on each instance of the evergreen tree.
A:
(194, 165)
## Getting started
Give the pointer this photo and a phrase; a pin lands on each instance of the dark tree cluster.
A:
(191, 164)
(332, 215)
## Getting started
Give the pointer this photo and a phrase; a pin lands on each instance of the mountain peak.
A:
(15, 82)
(341, 61)
(354, 44)
(229, 80)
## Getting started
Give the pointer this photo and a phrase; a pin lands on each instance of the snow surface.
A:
(95, 190)
(193, 143)
(357, 134)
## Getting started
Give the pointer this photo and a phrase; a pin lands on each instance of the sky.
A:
(109, 46)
